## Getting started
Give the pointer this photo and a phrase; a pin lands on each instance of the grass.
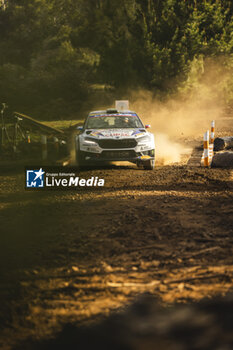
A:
(63, 124)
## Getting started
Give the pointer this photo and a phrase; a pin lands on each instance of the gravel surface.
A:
(73, 257)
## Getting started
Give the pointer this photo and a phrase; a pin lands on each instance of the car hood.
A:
(116, 133)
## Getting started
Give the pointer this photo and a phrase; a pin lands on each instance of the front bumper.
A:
(116, 155)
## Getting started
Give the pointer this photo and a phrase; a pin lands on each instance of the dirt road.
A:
(76, 256)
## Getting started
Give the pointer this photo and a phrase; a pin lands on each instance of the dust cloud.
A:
(177, 117)
(184, 117)
(175, 123)
(167, 151)
(180, 121)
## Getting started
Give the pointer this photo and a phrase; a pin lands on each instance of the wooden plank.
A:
(43, 126)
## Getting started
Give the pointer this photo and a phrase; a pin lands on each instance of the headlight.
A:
(143, 140)
(89, 141)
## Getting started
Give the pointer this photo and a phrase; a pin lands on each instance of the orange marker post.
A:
(206, 148)
(212, 131)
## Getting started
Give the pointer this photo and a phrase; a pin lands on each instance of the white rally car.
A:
(114, 135)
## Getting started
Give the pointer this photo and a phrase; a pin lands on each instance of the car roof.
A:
(109, 112)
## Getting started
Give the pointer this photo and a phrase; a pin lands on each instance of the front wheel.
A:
(149, 164)
(80, 162)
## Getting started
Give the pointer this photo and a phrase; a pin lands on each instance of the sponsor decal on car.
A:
(115, 133)
(114, 115)
(96, 133)
(138, 133)
(145, 157)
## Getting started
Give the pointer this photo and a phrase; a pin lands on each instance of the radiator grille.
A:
(116, 144)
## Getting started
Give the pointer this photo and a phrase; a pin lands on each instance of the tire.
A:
(79, 161)
(149, 164)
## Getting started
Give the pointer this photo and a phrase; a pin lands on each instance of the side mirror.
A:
(80, 128)
(147, 126)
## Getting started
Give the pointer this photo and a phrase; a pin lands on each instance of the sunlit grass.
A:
(63, 124)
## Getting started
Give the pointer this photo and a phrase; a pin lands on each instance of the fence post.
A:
(212, 131)
(56, 147)
(28, 138)
(44, 147)
(206, 148)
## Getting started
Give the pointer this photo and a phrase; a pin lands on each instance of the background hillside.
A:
(61, 57)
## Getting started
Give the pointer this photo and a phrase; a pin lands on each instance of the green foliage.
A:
(54, 51)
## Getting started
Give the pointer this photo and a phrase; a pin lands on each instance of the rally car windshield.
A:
(113, 122)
